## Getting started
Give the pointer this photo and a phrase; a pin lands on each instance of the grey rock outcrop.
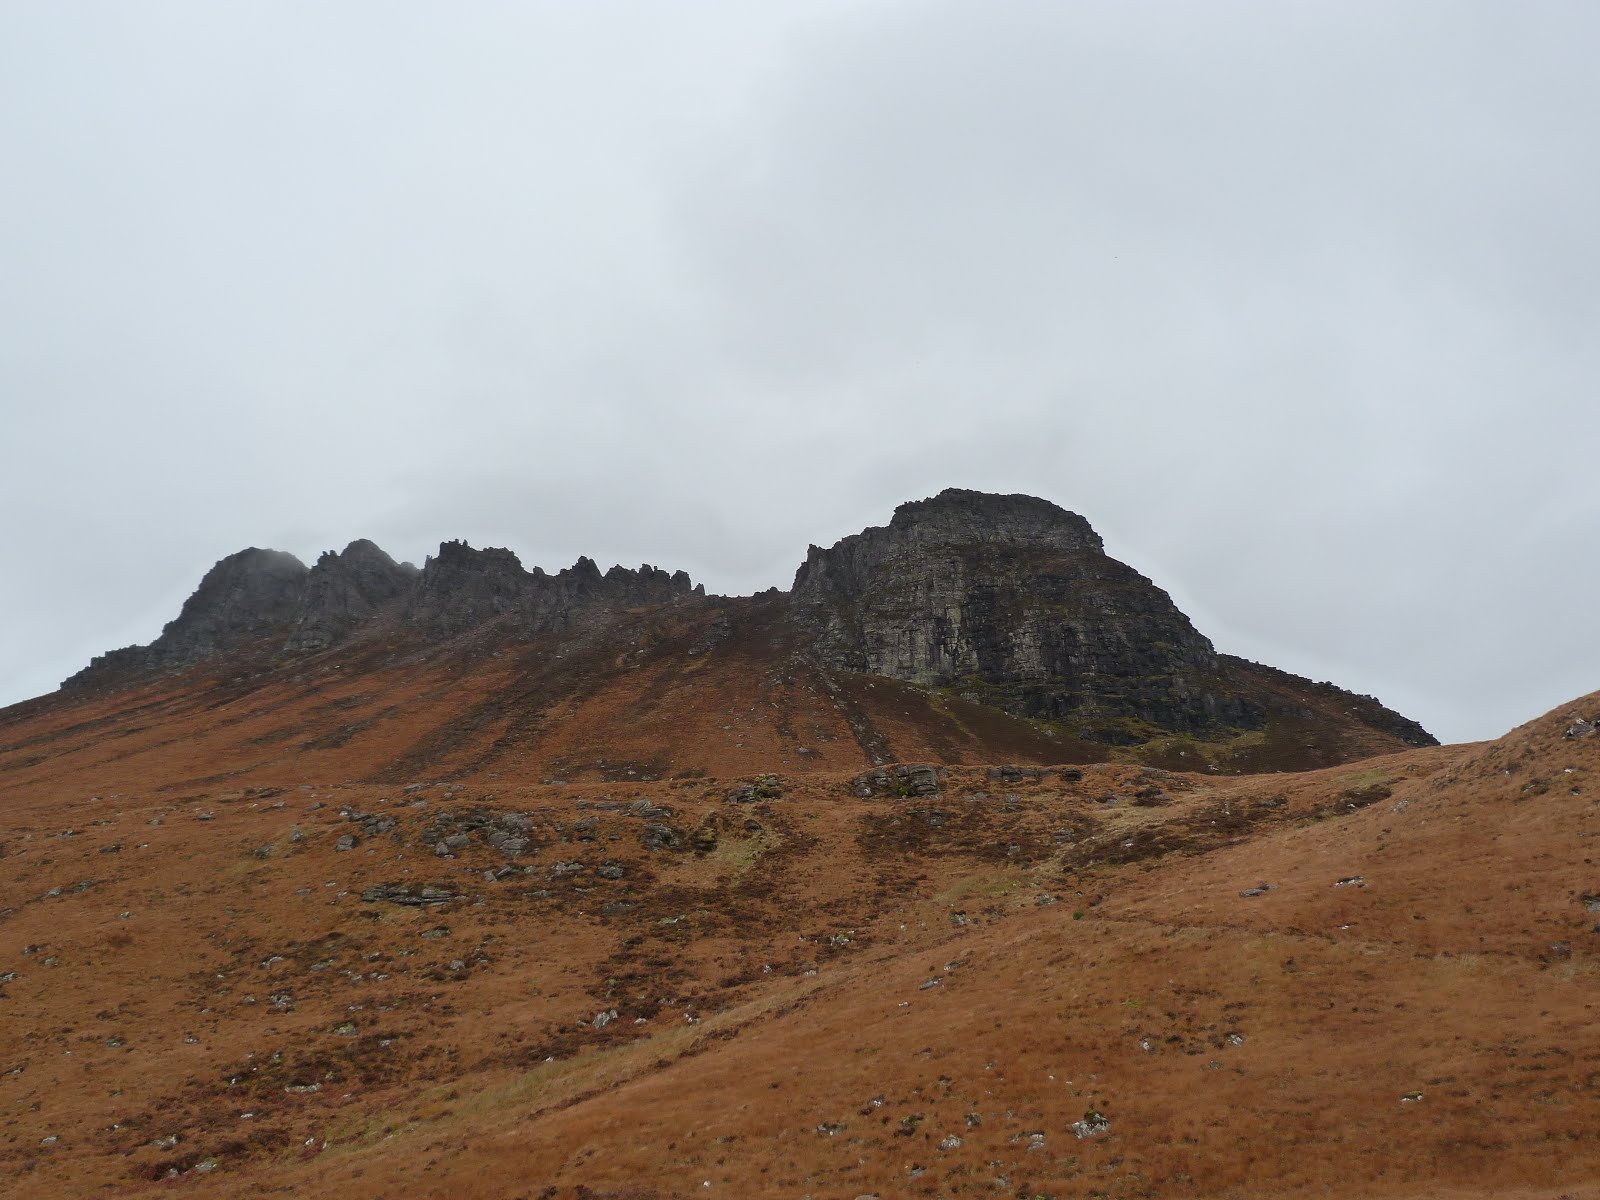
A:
(344, 591)
(1012, 601)
(462, 588)
(265, 595)
(245, 597)
(900, 779)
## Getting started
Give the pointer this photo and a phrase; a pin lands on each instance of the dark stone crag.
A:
(247, 596)
(463, 588)
(1012, 601)
(267, 599)
(344, 591)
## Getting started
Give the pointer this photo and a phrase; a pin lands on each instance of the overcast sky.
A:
(1297, 303)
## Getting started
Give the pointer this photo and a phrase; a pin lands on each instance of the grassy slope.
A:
(198, 961)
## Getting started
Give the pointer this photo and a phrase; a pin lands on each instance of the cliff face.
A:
(1013, 601)
(463, 588)
(344, 591)
(246, 596)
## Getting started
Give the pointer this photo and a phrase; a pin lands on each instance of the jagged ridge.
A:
(269, 596)
(1005, 601)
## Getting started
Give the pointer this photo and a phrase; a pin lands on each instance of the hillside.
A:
(274, 978)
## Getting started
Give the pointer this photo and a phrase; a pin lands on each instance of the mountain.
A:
(973, 627)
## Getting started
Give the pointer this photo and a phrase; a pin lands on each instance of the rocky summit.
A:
(344, 591)
(979, 603)
(248, 595)
(1012, 601)
(966, 867)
